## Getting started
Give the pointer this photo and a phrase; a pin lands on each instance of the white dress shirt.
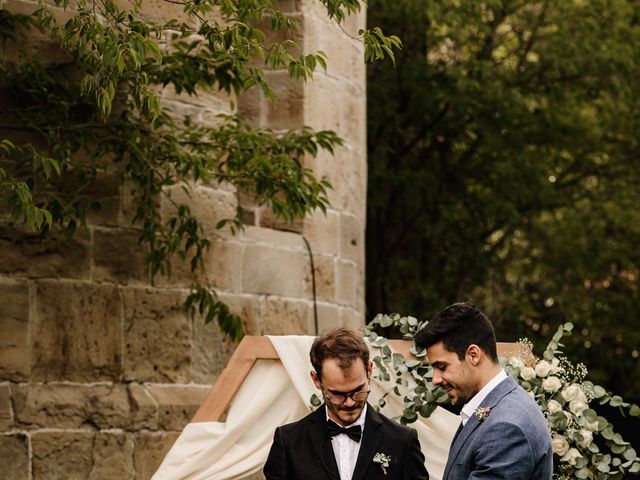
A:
(470, 407)
(345, 449)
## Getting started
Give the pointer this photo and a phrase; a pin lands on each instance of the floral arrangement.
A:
(383, 460)
(584, 443)
(482, 413)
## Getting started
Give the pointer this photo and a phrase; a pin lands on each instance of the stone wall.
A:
(101, 366)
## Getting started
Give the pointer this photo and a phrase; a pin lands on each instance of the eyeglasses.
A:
(339, 399)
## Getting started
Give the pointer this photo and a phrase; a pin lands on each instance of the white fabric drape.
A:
(275, 393)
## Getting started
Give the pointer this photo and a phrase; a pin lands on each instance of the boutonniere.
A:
(383, 460)
(482, 413)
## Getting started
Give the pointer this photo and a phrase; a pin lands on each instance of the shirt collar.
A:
(359, 421)
(470, 407)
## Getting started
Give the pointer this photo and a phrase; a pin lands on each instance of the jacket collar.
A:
(490, 401)
(371, 438)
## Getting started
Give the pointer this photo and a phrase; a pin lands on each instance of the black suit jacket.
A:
(302, 451)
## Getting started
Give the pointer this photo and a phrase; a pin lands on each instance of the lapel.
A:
(322, 442)
(491, 400)
(371, 438)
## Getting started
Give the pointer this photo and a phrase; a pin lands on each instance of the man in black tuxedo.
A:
(345, 439)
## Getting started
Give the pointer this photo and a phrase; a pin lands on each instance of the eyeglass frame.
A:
(346, 396)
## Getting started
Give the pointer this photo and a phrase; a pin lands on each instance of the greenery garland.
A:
(585, 445)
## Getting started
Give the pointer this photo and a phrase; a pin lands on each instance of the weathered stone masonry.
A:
(101, 367)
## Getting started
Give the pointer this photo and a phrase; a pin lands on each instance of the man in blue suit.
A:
(503, 434)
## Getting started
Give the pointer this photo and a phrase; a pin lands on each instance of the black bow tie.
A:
(354, 433)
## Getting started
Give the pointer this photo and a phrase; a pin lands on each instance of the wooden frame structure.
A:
(253, 348)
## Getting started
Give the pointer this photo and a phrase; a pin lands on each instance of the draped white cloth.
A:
(275, 393)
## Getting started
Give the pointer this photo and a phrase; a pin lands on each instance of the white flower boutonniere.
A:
(383, 460)
(482, 413)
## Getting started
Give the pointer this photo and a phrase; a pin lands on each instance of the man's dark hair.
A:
(458, 326)
(343, 345)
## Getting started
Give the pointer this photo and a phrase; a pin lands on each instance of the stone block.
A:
(27, 254)
(211, 99)
(6, 411)
(252, 107)
(350, 286)
(347, 173)
(82, 406)
(288, 317)
(345, 54)
(14, 324)
(109, 406)
(225, 265)
(106, 188)
(352, 318)
(150, 450)
(331, 103)
(129, 205)
(62, 455)
(212, 349)
(352, 239)
(50, 406)
(160, 11)
(209, 205)
(157, 336)
(30, 42)
(177, 403)
(269, 270)
(287, 110)
(328, 317)
(119, 257)
(14, 457)
(268, 236)
(325, 278)
(144, 409)
(82, 455)
(268, 219)
(76, 332)
(322, 232)
(112, 457)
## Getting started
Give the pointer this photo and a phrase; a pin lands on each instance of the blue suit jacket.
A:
(512, 442)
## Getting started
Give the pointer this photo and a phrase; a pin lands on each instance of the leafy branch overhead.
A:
(97, 110)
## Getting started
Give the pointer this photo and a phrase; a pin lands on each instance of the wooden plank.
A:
(250, 349)
(253, 348)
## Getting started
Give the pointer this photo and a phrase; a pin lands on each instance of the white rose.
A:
(592, 426)
(543, 368)
(555, 366)
(559, 445)
(587, 438)
(577, 407)
(527, 373)
(551, 384)
(516, 362)
(553, 406)
(582, 396)
(571, 456)
(569, 393)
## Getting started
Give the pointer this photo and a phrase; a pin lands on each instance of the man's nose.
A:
(349, 402)
(437, 379)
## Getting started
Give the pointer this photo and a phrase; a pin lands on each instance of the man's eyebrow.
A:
(438, 364)
(357, 389)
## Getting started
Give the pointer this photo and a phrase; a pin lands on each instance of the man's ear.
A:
(474, 354)
(316, 380)
(369, 369)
